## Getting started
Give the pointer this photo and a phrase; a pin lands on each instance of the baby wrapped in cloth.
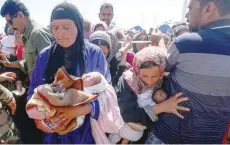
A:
(110, 120)
(66, 91)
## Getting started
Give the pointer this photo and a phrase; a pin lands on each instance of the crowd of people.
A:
(77, 82)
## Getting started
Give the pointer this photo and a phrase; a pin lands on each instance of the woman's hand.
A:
(8, 76)
(171, 106)
(65, 118)
(156, 36)
(71, 125)
(127, 46)
(124, 50)
(64, 114)
(63, 126)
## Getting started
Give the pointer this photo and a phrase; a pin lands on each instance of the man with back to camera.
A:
(198, 63)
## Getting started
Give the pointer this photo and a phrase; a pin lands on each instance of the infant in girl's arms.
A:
(148, 98)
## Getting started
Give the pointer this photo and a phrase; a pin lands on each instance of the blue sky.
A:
(127, 13)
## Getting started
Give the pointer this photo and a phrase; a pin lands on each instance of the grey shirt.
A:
(35, 39)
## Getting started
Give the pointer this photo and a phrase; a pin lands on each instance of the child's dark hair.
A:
(100, 42)
(148, 64)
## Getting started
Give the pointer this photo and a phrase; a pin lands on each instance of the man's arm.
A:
(41, 40)
(172, 57)
(19, 64)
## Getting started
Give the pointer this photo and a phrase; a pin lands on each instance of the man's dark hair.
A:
(106, 5)
(222, 5)
(12, 7)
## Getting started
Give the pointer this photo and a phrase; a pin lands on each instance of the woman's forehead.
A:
(150, 71)
(62, 22)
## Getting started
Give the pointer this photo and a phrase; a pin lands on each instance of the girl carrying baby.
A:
(146, 74)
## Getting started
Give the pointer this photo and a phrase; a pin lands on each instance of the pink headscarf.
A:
(99, 23)
(153, 54)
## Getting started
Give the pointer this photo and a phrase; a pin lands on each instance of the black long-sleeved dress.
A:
(130, 111)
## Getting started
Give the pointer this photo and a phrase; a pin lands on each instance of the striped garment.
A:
(199, 66)
(9, 133)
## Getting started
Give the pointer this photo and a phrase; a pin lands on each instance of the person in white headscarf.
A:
(8, 43)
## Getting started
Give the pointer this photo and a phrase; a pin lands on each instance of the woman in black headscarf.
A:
(78, 57)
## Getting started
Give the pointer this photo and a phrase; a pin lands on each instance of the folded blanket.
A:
(41, 110)
(110, 120)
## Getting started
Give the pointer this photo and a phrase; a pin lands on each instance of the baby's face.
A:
(91, 79)
(159, 96)
(56, 88)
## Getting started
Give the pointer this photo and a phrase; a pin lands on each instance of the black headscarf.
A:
(72, 58)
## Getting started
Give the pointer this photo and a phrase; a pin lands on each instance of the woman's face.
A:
(140, 46)
(151, 76)
(64, 31)
(105, 50)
